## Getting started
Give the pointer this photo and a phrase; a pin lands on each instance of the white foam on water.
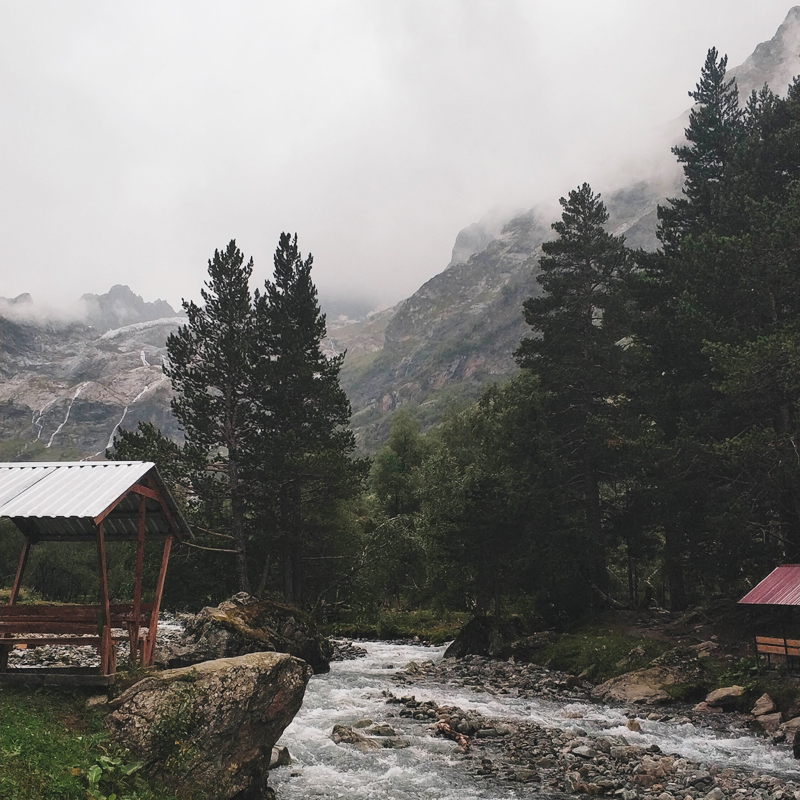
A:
(431, 767)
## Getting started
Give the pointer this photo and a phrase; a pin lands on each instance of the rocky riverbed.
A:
(593, 753)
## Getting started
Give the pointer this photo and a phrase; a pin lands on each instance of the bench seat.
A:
(30, 626)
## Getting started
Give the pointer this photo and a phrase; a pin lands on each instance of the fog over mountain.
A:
(74, 373)
(136, 139)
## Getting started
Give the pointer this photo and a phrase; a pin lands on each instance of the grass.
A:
(601, 653)
(52, 747)
(429, 626)
(780, 686)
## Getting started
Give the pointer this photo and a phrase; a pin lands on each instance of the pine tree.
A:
(302, 415)
(576, 353)
(209, 364)
(715, 128)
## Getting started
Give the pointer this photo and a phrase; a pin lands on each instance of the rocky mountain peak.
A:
(775, 62)
(120, 306)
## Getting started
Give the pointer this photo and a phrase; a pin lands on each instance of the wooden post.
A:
(133, 629)
(153, 627)
(23, 558)
(12, 598)
(106, 656)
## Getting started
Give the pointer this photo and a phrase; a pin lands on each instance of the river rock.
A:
(212, 726)
(485, 636)
(280, 758)
(764, 705)
(245, 624)
(343, 735)
(725, 698)
(382, 730)
(769, 723)
(678, 669)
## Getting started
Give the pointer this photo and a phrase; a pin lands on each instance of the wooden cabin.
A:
(100, 502)
(774, 616)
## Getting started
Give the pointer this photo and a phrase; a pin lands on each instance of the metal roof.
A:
(58, 500)
(780, 588)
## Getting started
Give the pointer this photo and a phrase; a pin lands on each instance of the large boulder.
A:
(212, 726)
(245, 624)
(676, 675)
(485, 636)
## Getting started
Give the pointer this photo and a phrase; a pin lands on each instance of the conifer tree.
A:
(715, 128)
(576, 354)
(209, 364)
(302, 414)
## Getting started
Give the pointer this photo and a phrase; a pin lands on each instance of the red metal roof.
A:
(780, 588)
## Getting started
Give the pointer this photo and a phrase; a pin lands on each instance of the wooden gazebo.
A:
(87, 502)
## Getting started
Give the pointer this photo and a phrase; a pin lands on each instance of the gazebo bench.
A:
(30, 626)
(778, 646)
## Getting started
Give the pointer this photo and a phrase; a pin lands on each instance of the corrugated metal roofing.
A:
(61, 499)
(780, 588)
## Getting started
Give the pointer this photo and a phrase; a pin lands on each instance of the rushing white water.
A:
(430, 767)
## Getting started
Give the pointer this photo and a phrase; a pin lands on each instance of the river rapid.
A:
(433, 767)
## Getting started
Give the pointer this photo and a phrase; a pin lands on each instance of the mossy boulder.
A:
(211, 728)
(245, 624)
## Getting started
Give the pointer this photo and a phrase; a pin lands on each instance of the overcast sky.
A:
(135, 138)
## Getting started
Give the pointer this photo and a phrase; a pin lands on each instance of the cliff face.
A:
(458, 332)
(67, 386)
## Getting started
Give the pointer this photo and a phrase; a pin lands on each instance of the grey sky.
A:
(137, 137)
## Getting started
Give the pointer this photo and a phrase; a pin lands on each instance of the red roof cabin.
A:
(771, 603)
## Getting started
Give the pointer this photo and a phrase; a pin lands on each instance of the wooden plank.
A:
(54, 677)
(47, 626)
(165, 510)
(61, 613)
(778, 650)
(777, 641)
(73, 641)
(87, 613)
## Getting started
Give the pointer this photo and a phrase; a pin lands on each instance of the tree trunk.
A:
(237, 525)
(594, 526)
(673, 565)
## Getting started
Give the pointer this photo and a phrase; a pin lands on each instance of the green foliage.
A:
(52, 748)
(428, 625)
(174, 726)
(601, 653)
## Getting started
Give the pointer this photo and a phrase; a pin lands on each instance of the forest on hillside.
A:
(648, 451)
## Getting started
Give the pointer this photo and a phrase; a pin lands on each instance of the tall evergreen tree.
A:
(576, 353)
(209, 364)
(302, 415)
(715, 128)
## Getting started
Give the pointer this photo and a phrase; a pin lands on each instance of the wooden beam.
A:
(133, 630)
(144, 491)
(105, 605)
(23, 558)
(150, 644)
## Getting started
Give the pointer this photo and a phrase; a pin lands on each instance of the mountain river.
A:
(432, 767)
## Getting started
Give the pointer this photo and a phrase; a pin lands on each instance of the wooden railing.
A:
(39, 625)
